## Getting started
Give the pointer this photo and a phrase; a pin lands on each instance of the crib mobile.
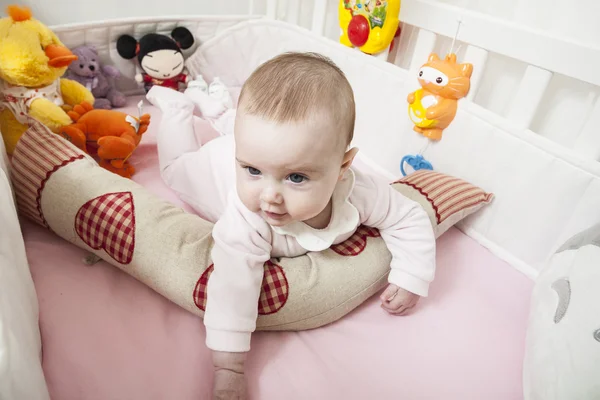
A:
(432, 108)
(369, 25)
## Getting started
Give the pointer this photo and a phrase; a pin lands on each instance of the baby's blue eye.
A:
(297, 178)
(253, 171)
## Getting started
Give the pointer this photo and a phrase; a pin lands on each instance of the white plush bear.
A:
(562, 360)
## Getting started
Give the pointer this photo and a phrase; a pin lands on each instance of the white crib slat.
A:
(588, 141)
(424, 46)
(250, 7)
(405, 46)
(478, 57)
(528, 96)
(319, 15)
(272, 9)
(293, 11)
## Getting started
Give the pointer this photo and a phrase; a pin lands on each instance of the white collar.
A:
(344, 219)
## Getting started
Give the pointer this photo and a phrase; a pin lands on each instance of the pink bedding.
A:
(106, 336)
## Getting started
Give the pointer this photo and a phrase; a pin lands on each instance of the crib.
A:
(527, 131)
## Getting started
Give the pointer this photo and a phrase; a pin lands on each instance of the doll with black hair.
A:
(159, 56)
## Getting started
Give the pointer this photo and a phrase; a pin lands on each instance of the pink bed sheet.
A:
(107, 336)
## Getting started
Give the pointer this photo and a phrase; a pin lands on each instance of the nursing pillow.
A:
(562, 357)
(161, 245)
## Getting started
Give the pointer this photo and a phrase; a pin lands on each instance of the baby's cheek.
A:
(309, 204)
(249, 196)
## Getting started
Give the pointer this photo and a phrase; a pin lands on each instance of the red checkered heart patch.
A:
(108, 223)
(356, 243)
(273, 296)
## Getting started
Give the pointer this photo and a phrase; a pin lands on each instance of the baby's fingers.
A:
(389, 293)
(405, 310)
(398, 311)
(397, 303)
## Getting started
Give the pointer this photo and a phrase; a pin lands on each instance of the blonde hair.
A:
(294, 87)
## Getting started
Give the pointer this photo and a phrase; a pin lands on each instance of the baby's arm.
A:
(408, 234)
(242, 246)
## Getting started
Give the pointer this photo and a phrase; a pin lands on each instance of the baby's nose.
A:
(271, 195)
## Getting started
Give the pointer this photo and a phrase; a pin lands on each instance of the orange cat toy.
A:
(110, 135)
(443, 82)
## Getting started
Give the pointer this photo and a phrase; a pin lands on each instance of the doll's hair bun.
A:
(183, 37)
(127, 47)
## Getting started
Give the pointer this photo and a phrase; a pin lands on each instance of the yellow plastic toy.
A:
(417, 111)
(32, 60)
(369, 25)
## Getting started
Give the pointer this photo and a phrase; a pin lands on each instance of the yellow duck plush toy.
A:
(32, 60)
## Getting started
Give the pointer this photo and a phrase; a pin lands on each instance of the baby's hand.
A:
(229, 385)
(398, 301)
(229, 382)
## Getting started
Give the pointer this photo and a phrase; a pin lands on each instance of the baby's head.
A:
(294, 124)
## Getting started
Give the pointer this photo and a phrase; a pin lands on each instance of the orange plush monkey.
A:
(110, 135)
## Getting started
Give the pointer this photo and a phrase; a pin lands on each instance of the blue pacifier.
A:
(416, 162)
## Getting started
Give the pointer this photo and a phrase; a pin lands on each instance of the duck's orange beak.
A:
(59, 56)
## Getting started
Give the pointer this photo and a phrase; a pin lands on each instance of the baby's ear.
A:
(466, 70)
(347, 160)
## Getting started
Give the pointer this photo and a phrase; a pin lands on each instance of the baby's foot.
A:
(166, 98)
(218, 91)
(198, 83)
(207, 106)
(211, 101)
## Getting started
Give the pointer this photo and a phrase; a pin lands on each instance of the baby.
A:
(281, 185)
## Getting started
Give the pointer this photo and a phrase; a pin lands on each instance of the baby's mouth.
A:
(275, 216)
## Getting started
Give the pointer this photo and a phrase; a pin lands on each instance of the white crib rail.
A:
(532, 46)
(534, 80)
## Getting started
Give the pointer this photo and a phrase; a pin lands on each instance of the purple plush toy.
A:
(99, 80)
